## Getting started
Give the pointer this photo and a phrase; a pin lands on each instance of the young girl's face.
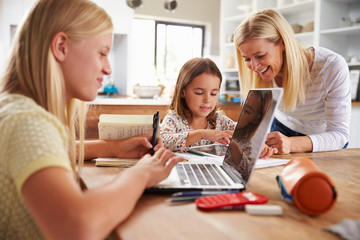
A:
(85, 66)
(201, 94)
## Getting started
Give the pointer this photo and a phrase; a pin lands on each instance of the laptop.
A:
(234, 172)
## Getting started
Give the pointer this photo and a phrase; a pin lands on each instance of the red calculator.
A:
(230, 200)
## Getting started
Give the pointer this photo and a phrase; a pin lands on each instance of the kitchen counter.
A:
(117, 100)
(106, 100)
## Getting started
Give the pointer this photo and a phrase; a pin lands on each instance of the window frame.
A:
(178, 24)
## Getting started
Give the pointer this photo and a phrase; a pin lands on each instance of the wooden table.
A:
(154, 218)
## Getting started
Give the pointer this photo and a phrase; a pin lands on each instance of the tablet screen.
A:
(213, 149)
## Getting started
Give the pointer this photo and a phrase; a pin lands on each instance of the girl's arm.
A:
(222, 133)
(135, 147)
(63, 211)
(212, 135)
(173, 132)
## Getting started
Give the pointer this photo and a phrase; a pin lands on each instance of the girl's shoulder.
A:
(224, 121)
(220, 115)
(172, 116)
(15, 104)
(16, 109)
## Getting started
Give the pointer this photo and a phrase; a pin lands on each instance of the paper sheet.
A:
(270, 162)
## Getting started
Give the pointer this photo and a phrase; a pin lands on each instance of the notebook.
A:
(238, 163)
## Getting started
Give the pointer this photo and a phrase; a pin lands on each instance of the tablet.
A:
(213, 149)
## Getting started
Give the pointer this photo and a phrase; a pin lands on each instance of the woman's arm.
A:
(331, 96)
(284, 144)
(63, 211)
(337, 108)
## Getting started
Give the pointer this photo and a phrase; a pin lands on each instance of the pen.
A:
(156, 121)
(183, 199)
(201, 193)
(196, 153)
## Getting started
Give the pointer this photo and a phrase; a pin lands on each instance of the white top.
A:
(325, 114)
(175, 130)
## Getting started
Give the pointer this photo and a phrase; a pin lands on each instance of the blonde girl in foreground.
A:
(59, 56)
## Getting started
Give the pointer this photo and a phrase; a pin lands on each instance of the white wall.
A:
(120, 56)
(1, 35)
(354, 141)
(13, 11)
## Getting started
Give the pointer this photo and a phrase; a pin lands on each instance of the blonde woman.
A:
(315, 111)
(60, 54)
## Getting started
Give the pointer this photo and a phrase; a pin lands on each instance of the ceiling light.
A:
(170, 4)
(134, 3)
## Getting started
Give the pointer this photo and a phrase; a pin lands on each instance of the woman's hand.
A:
(279, 141)
(289, 144)
(158, 166)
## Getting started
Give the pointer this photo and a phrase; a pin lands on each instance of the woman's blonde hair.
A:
(32, 69)
(190, 70)
(270, 25)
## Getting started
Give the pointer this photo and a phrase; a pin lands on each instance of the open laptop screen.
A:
(250, 132)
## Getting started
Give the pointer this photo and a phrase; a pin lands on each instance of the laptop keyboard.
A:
(201, 174)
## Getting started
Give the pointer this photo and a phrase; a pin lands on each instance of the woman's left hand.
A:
(279, 141)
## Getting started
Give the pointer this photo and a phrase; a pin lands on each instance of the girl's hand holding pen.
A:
(135, 147)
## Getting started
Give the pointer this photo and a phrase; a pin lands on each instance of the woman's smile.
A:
(263, 57)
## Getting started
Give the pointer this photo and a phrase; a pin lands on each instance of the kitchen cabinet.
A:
(336, 25)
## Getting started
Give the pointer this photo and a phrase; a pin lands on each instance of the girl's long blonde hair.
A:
(32, 69)
(270, 25)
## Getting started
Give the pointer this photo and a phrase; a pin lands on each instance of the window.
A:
(161, 48)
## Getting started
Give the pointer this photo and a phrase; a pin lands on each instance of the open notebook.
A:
(239, 161)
